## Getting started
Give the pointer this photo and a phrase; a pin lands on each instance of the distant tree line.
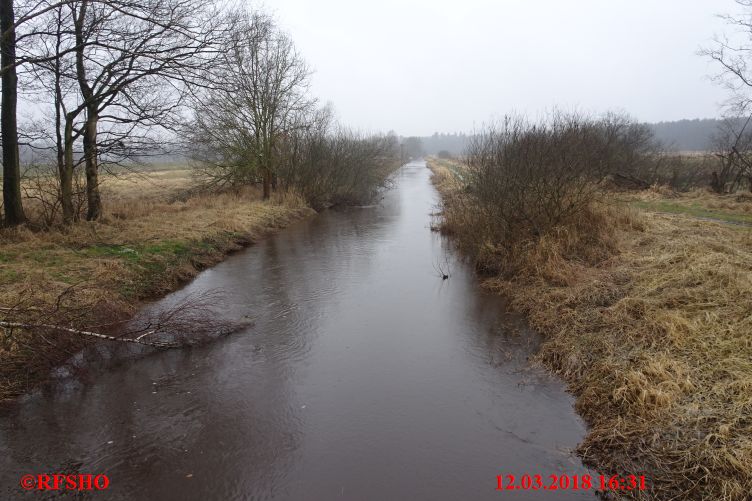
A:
(695, 135)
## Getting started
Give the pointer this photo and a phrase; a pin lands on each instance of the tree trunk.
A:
(63, 141)
(93, 199)
(267, 184)
(14, 214)
(66, 173)
(715, 183)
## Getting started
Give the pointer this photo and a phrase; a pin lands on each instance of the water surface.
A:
(364, 376)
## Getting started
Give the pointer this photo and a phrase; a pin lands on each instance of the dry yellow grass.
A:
(146, 245)
(653, 333)
(740, 202)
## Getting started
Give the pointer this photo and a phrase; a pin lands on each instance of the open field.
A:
(650, 325)
(153, 237)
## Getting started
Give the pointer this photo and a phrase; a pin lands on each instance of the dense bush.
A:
(526, 183)
(331, 168)
(325, 165)
(529, 177)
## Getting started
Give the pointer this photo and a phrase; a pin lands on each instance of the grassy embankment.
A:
(648, 317)
(150, 241)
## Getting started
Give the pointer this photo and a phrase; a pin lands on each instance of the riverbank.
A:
(649, 325)
(153, 238)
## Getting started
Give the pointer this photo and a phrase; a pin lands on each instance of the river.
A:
(365, 375)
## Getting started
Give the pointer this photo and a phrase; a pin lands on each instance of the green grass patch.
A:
(153, 263)
(167, 248)
(46, 257)
(9, 276)
(106, 250)
(138, 253)
(694, 210)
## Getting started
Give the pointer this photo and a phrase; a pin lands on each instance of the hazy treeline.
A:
(454, 144)
(695, 135)
(111, 83)
(689, 135)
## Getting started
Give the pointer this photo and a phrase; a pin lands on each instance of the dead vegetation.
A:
(647, 317)
(92, 276)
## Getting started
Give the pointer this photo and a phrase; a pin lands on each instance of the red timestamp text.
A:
(538, 482)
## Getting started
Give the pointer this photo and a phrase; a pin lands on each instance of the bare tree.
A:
(9, 62)
(118, 72)
(128, 55)
(731, 52)
(239, 124)
(733, 143)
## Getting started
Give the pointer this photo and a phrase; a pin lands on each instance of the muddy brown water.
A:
(364, 376)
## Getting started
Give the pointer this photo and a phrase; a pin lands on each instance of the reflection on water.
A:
(364, 376)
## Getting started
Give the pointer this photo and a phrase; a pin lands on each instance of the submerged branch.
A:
(138, 340)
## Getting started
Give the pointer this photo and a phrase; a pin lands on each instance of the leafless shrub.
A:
(631, 154)
(43, 196)
(685, 172)
(733, 154)
(529, 177)
(337, 168)
(526, 180)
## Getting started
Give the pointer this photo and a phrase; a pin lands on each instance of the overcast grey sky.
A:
(419, 66)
